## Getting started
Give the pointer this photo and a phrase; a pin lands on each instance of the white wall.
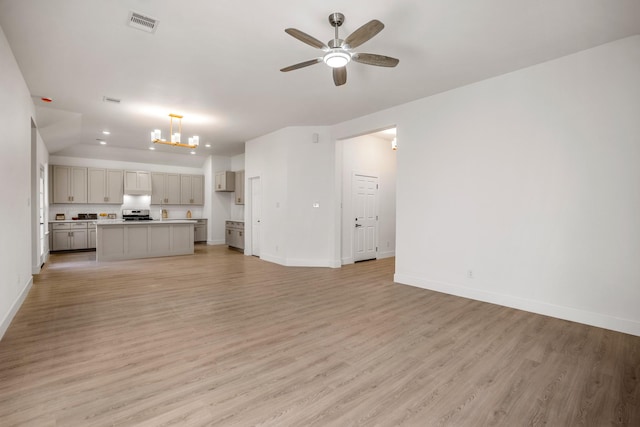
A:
(532, 181)
(372, 155)
(295, 173)
(220, 202)
(237, 211)
(16, 110)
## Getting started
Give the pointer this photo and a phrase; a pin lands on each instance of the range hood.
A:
(136, 191)
(137, 183)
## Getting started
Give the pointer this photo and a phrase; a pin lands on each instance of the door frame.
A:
(248, 214)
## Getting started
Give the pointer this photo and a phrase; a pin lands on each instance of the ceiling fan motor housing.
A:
(336, 19)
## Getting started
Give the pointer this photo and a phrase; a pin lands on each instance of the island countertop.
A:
(150, 222)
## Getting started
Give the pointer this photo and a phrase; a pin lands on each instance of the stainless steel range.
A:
(136, 215)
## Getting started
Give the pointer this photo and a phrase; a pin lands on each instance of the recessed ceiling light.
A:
(208, 145)
(103, 142)
(106, 132)
(193, 152)
(152, 148)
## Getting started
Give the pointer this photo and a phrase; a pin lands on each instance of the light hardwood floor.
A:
(220, 339)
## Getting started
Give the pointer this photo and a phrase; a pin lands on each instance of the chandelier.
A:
(156, 135)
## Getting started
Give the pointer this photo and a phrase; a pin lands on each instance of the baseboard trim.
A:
(296, 262)
(388, 254)
(600, 320)
(15, 307)
(215, 242)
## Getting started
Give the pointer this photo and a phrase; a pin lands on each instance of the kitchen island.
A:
(118, 240)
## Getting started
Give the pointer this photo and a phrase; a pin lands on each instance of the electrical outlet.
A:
(470, 274)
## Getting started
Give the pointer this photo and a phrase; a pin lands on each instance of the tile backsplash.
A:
(130, 202)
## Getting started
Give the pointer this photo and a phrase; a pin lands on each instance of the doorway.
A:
(255, 212)
(368, 198)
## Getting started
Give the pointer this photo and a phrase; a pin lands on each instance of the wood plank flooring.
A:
(220, 339)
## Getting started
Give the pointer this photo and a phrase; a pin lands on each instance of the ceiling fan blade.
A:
(373, 59)
(301, 65)
(340, 76)
(364, 33)
(306, 38)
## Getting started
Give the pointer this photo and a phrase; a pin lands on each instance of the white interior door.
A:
(365, 225)
(256, 203)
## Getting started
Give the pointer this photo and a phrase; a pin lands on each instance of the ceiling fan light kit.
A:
(156, 135)
(336, 58)
(338, 52)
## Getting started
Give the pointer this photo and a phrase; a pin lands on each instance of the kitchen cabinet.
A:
(192, 189)
(234, 234)
(137, 182)
(92, 233)
(69, 184)
(200, 231)
(105, 186)
(225, 181)
(239, 188)
(69, 236)
(165, 188)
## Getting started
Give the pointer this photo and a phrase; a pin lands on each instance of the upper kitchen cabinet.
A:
(239, 196)
(192, 189)
(165, 188)
(137, 182)
(225, 181)
(106, 186)
(69, 184)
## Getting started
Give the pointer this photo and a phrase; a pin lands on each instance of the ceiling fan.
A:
(338, 53)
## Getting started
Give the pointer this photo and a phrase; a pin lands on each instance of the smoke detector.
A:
(143, 22)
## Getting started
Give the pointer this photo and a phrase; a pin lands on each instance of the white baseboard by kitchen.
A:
(215, 242)
(388, 254)
(539, 307)
(15, 307)
(296, 262)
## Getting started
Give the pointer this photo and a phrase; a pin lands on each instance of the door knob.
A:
(358, 225)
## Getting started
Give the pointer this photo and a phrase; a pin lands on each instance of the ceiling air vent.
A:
(109, 99)
(142, 22)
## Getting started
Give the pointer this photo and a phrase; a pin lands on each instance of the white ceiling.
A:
(217, 62)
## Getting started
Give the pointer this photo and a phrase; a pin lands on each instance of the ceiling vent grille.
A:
(142, 22)
(109, 99)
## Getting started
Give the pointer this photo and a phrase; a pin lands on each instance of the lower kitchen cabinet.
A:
(200, 231)
(72, 236)
(92, 237)
(234, 234)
